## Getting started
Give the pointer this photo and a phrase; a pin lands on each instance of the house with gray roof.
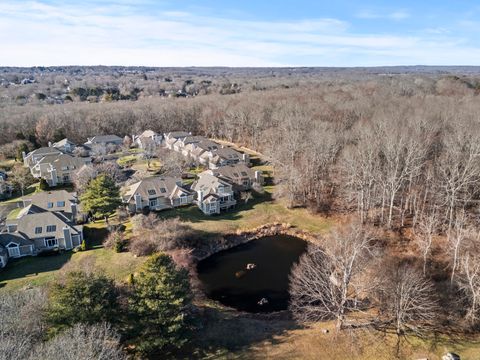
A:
(65, 145)
(239, 175)
(104, 140)
(58, 169)
(148, 139)
(223, 156)
(182, 142)
(56, 200)
(40, 231)
(214, 195)
(195, 150)
(156, 193)
(172, 137)
(33, 157)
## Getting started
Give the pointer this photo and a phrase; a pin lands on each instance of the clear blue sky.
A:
(239, 33)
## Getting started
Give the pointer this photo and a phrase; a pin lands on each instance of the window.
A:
(51, 228)
(51, 242)
(235, 174)
(244, 173)
(38, 230)
(61, 203)
(153, 203)
(151, 192)
(163, 190)
(50, 205)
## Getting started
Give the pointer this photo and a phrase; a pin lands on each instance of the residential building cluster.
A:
(48, 220)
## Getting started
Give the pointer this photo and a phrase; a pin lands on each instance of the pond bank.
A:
(229, 241)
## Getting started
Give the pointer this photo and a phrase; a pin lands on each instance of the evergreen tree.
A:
(102, 197)
(159, 305)
(82, 298)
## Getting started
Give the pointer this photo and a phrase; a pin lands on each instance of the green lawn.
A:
(14, 213)
(38, 271)
(7, 164)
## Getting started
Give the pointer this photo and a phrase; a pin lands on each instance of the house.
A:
(172, 137)
(213, 194)
(58, 200)
(148, 138)
(182, 142)
(176, 135)
(3, 257)
(58, 169)
(40, 231)
(104, 140)
(156, 193)
(65, 145)
(33, 157)
(239, 175)
(223, 156)
(195, 150)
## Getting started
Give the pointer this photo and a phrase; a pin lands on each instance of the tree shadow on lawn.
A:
(223, 330)
(95, 236)
(193, 214)
(32, 266)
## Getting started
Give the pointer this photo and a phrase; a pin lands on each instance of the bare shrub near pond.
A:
(152, 234)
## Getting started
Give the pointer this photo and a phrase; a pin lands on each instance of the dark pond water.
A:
(226, 279)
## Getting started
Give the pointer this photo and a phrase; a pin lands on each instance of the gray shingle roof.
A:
(27, 225)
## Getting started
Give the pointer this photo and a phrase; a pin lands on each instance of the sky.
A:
(239, 33)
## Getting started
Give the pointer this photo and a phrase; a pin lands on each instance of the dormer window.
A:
(50, 205)
(244, 173)
(51, 228)
(151, 192)
(163, 190)
(60, 203)
(38, 230)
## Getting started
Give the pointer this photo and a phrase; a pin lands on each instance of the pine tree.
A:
(82, 298)
(101, 198)
(159, 304)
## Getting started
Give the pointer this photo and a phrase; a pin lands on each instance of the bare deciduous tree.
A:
(82, 342)
(407, 301)
(428, 226)
(327, 283)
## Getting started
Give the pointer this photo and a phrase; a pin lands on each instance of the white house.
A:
(213, 194)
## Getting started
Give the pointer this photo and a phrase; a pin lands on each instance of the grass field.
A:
(39, 271)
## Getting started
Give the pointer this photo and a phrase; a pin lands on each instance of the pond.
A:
(264, 288)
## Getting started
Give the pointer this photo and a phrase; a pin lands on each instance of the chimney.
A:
(67, 236)
(245, 158)
(258, 177)
(49, 144)
(54, 177)
(24, 155)
(74, 213)
(199, 196)
(138, 202)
